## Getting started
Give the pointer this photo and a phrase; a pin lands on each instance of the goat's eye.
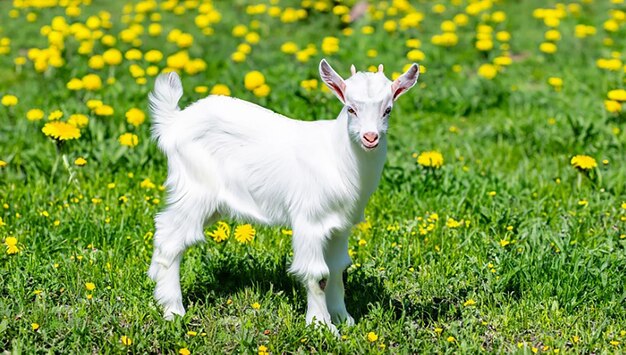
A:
(351, 111)
(387, 111)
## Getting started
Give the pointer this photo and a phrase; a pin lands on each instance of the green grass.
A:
(560, 278)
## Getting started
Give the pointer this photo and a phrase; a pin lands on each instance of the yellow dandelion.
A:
(452, 223)
(126, 340)
(34, 114)
(244, 233)
(262, 91)
(583, 162)
(253, 80)
(61, 131)
(372, 337)
(34, 326)
(90, 286)
(488, 71)
(80, 161)
(55, 115)
(11, 245)
(255, 305)
(9, 100)
(78, 120)
(135, 116)
(469, 303)
(617, 95)
(221, 232)
(220, 89)
(2, 165)
(129, 140)
(432, 159)
(184, 351)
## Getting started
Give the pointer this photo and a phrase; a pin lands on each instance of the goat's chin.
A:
(369, 148)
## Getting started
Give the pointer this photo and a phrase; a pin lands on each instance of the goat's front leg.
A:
(337, 259)
(309, 265)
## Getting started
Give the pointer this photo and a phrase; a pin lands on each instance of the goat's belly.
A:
(241, 205)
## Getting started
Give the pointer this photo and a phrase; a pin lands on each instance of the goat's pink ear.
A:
(405, 81)
(333, 80)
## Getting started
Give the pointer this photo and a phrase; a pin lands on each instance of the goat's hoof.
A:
(170, 312)
(349, 320)
(323, 323)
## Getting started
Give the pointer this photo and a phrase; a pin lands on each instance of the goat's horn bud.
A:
(353, 69)
(380, 68)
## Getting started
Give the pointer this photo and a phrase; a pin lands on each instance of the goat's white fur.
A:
(229, 158)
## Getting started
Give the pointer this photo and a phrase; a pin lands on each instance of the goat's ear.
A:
(333, 80)
(405, 81)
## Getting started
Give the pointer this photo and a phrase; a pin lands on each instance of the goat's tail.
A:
(164, 102)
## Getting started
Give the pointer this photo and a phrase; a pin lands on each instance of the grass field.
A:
(508, 246)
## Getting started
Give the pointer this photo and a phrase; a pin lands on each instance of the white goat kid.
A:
(228, 158)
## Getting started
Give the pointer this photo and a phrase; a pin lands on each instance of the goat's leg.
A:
(337, 259)
(177, 228)
(309, 265)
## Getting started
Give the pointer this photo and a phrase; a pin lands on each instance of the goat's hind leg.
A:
(177, 227)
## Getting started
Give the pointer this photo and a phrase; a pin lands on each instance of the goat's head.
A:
(368, 99)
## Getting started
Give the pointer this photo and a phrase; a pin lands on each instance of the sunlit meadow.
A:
(499, 224)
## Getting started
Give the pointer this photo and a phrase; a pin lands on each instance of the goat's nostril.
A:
(371, 137)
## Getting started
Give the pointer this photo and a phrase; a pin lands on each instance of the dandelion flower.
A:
(220, 89)
(34, 114)
(487, 71)
(253, 80)
(262, 91)
(548, 47)
(78, 120)
(9, 100)
(61, 131)
(431, 159)
(35, 326)
(135, 117)
(90, 286)
(92, 82)
(451, 339)
(244, 233)
(289, 48)
(74, 84)
(55, 115)
(147, 184)
(221, 233)
(372, 337)
(452, 223)
(583, 162)
(617, 95)
(129, 140)
(80, 161)
(469, 303)
(184, 351)
(11, 245)
(255, 305)
(2, 165)
(126, 340)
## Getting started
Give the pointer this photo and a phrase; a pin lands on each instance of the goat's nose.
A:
(371, 137)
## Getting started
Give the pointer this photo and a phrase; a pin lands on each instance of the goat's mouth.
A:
(367, 145)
